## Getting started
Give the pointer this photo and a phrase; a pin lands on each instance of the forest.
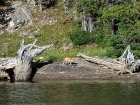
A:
(109, 23)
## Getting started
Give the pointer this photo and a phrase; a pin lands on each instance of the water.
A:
(70, 93)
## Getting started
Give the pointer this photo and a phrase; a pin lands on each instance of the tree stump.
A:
(26, 53)
(21, 68)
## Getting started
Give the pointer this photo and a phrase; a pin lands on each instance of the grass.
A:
(58, 54)
(47, 34)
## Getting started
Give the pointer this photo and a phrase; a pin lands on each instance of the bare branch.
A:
(33, 43)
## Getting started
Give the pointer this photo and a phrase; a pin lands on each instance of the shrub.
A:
(111, 52)
(79, 37)
(51, 59)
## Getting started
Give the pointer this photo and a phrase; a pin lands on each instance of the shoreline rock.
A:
(81, 70)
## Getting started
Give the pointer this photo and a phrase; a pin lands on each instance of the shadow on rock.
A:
(36, 66)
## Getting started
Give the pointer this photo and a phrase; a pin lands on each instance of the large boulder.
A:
(16, 16)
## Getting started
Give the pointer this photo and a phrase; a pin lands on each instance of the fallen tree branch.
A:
(116, 65)
(101, 62)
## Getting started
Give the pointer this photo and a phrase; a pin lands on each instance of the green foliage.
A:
(115, 26)
(88, 6)
(101, 38)
(51, 59)
(136, 54)
(122, 18)
(79, 37)
(135, 49)
(111, 52)
(125, 25)
(69, 4)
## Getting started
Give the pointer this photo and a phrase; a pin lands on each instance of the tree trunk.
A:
(84, 21)
(21, 68)
(112, 26)
(90, 24)
(40, 4)
(111, 64)
(116, 65)
(125, 63)
(26, 53)
(23, 71)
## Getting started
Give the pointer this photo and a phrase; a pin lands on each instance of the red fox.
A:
(68, 61)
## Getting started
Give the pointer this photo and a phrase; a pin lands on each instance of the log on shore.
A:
(113, 64)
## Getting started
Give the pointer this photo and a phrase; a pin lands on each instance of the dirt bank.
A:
(80, 70)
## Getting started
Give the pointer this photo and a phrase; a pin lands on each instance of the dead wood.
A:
(110, 64)
(22, 66)
(26, 53)
(124, 64)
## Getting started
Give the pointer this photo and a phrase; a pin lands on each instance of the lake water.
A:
(70, 93)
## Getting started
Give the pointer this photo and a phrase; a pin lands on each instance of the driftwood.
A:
(124, 64)
(111, 64)
(23, 64)
(4, 75)
(127, 57)
(8, 63)
(26, 53)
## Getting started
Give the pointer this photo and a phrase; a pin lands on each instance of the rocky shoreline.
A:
(81, 70)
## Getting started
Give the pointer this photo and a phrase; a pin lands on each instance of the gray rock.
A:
(16, 4)
(19, 16)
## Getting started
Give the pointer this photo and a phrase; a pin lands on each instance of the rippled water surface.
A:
(70, 93)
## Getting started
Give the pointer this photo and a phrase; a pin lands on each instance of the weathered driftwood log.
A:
(7, 66)
(127, 57)
(3, 75)
(125, 63)
(8, 63)
(116, 66)
(23, 64)
(26, 53)
(112, 64)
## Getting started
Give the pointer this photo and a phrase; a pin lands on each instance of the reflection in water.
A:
(75, 93)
